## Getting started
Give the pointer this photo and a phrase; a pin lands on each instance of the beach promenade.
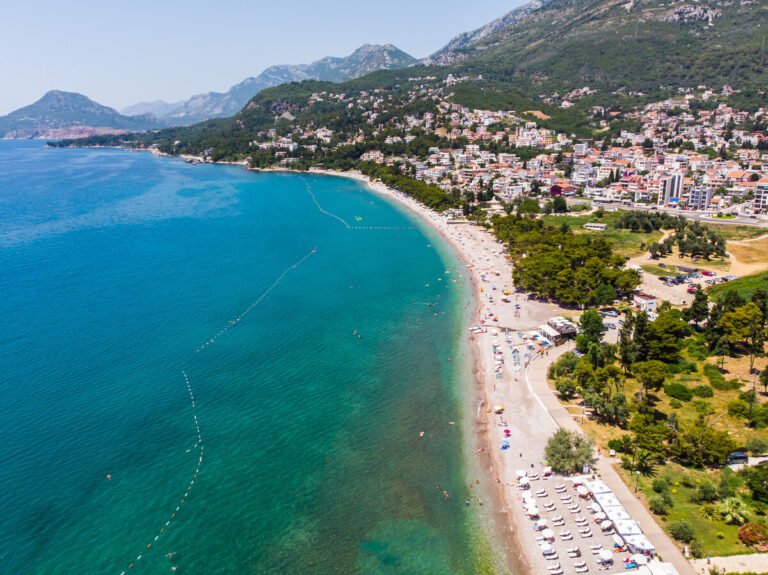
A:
(532, 412)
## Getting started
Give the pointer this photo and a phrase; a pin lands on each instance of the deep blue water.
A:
(115, 267)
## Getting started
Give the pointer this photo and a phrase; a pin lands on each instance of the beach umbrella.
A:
(606, 525)
(595, 508)
(601, 517)
(548, 534)
(583, 491)
(605, 556)
(546, 548)
(532, 512)
(521, 472)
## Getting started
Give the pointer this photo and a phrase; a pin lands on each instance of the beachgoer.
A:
(109, 476)
(445, 495)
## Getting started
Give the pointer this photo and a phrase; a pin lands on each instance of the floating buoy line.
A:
(342, 220)
(193, 402)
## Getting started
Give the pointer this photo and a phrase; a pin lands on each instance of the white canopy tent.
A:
(607, 500)
(639, 544)
(597, 486)
(628, 528)
(617, 513)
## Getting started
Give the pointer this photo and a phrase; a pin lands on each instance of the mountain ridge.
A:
(58, 113)
(366, 59)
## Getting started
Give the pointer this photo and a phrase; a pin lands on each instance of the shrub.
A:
(678, 391)
(696, 549)
(703, 407)
(757, 445)
(705, 493)
(715, 377)
(682, 531)
(754, 535)
(660, 485)
(566, 388)
(658, 505)
(687, 481)
(674, 404)
(622, 444)
(738, 408)
(703, 391)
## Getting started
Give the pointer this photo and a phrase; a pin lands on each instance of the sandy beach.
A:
(531, 411)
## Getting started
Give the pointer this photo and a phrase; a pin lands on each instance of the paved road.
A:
(699, 216)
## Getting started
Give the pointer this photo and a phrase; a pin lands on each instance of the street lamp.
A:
(637, 479)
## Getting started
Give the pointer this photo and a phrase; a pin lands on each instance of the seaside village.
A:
(692, 152)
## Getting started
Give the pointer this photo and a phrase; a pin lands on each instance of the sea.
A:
(205, 370)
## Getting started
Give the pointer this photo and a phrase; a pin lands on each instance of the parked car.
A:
(737, 457)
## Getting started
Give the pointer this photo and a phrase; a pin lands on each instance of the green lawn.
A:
(657, 271)
(626, 243)
(717, 538)
(746, 286)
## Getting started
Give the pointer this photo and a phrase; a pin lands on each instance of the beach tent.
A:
(639, 559)
(607, 500)
(627, 528)
(640, 544)
(597, 486)
(617, 513)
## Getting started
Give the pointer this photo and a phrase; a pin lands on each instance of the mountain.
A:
(156, 108)
(364, 60)
(640, 45)
(62, 114)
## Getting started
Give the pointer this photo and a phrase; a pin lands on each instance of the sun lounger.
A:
(580, 564)
(551, 556)
(560, 488)
(567, 537)
(581, 520)
(574, 509)
(574, 554)
(554, 567)
(557, 572)
(581, 569)
(595, 549)
(587, 534)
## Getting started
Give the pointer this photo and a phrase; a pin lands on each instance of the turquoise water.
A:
(115, 267)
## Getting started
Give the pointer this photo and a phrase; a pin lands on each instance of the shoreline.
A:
(499, 515)
(532, 412)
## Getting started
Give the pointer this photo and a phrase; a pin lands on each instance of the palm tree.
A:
(733, 511)
(644, 462)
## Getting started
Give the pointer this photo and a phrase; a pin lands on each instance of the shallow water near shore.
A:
(317, 348)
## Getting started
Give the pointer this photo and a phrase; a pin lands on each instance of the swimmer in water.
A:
(109, 476)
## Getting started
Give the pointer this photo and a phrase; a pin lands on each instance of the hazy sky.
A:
(119, 53)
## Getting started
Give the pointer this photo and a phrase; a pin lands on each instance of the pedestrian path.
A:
(753, 563)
